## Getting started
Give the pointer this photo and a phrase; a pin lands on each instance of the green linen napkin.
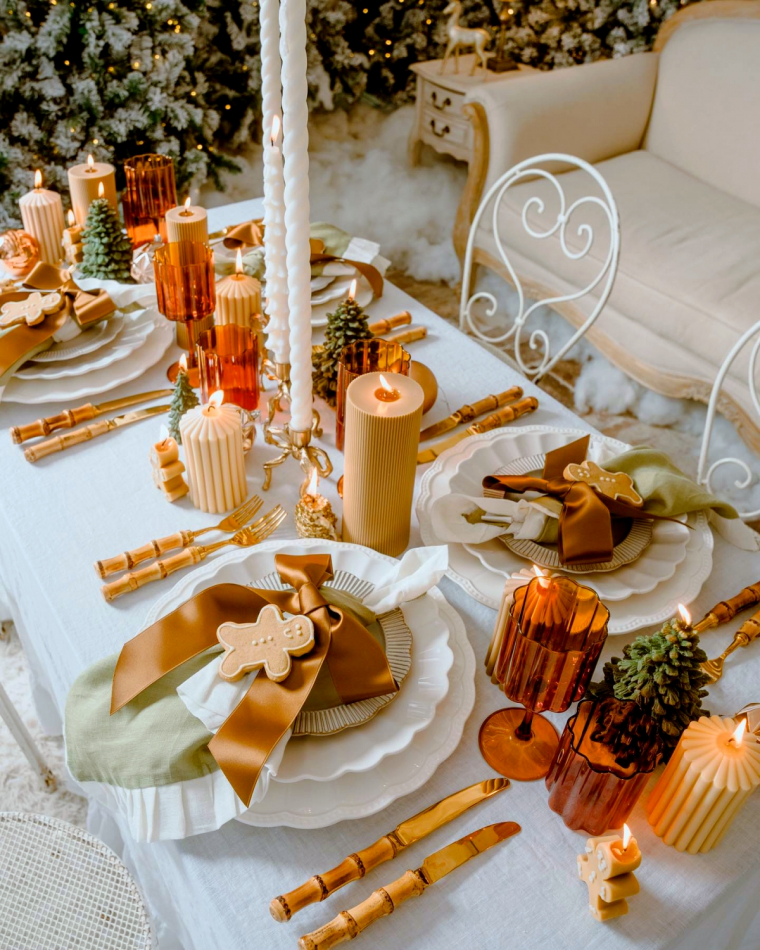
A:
(336, 242)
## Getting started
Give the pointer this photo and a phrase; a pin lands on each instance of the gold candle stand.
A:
(277, 403)
(296, 444)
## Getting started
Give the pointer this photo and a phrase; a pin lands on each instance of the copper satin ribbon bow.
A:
(85, 307)
(251, 234)
(245, 740)
(585, 522)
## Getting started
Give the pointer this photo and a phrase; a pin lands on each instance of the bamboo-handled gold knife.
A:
(500, 418)
(72, 417)
(468, 413)
(319, 887)
(350, 923)
(60, 442)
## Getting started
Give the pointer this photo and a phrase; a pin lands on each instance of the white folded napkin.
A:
(449, 514)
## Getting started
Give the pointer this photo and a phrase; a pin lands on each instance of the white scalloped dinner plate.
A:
(633, 613)
(87, 342)
(362, 748)
(34, 391)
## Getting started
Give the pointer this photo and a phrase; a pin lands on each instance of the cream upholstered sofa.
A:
(676, 135)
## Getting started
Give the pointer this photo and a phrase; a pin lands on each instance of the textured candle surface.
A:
(380, 462)
(212, 437)
(187, 224)
(83, 185)
(238, 300)
(704, 786)
(42, 214)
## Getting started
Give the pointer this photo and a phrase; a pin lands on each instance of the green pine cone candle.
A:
(183, 398)
(345, 325)
(106, 248)
(662, 673)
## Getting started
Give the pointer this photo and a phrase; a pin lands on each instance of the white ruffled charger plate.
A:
(364, 297)
(325, 758)
(87, 342)
(485, 585)
(134, 331)
(34, 391)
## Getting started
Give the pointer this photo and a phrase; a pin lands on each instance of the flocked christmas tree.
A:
(107, 251)
(345, 325)
(183, 398)
(662, 673)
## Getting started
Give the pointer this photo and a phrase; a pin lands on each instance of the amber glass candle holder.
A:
(149, 192)
(228, 359)
(365, 356)
(186, 291)
(554, 632)
(606, 754)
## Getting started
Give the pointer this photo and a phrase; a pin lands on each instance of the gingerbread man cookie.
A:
(31, 311)
(270, 642)
(615, 485)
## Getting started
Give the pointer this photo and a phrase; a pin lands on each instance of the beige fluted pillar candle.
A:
(713, 771)
(42, 214)
(187, 223)
(238, 298)
(83, 186)
(212, 437)
(383, 414)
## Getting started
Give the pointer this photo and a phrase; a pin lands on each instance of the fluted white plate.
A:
(324, 758)
(34, 391)
(632, 613)
(87, 342)
(364, 295)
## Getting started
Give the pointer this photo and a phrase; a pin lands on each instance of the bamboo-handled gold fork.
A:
(182, 539)
(245, 538)
(749, 631)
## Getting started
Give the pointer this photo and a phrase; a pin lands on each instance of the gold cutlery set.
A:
(350, 923)
(724, 612)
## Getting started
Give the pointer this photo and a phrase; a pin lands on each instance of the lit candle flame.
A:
(239, 262)
(543, 580)
(352, 290)
(313, 483)
(187, 203)
(216, 399)
(101, 190)
(685, 615)
(38, 179)
(72, 219)
(276, 123)
(626, 836)
(385, 384)
(183, 362)
(90, 163)
(738, 735)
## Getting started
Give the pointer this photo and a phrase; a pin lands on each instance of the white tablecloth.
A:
(58, 516)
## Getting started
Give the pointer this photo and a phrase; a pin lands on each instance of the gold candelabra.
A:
(296, 444)
(280, 401)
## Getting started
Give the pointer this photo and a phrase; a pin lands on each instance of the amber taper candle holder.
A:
(149, 192)
(186, 292)
(554, 632)
(356, 359)
(607, 752)
(228, 359)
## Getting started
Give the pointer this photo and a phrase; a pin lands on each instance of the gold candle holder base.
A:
(296, 444)
(280, 401)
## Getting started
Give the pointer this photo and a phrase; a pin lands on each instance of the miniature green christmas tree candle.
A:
(107, 251)
(345, 325)
(183, 398)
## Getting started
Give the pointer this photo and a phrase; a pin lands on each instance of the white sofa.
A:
(676, 135)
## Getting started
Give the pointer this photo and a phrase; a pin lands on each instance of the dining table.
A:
(212, 891)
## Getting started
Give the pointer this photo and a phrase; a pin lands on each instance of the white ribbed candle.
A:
(212, 437)
(83, 185)
(274, 204)
(187, 223)
(42, 214)
(238, 300)
(295, 119)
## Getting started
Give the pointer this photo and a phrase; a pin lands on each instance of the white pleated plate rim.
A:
(485, 586)
(34, 391)
(134, 331)
(324, 758)
(87, 342)
(309, 805)
(363, 297)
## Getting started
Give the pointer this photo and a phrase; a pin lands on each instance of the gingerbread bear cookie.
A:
(270, 643)
(31, 311)
(615, 485)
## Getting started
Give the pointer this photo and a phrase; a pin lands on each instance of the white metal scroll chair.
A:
(706, 470)
(20, 733)
(62, 888)
(573, 222)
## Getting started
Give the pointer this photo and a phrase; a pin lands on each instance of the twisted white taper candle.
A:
(274, 205)
(295, 148)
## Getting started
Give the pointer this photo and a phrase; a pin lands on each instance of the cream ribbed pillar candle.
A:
(187, 223)
(383, 415)
(42, 214)
(238, 298)
(713, 771)
(83, 186)
(212, 437)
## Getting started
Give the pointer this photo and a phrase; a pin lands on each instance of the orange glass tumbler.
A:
(228, 359)
(149, 192)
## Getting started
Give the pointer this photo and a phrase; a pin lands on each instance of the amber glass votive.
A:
(149, 192)
(553, 634)
(228, 359)
(606, 754)
(365, 356)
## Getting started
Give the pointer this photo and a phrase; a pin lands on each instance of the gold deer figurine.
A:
(463, 36)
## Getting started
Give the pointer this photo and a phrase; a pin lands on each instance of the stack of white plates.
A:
(358, 771)
(641, 592)
(112, 353)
